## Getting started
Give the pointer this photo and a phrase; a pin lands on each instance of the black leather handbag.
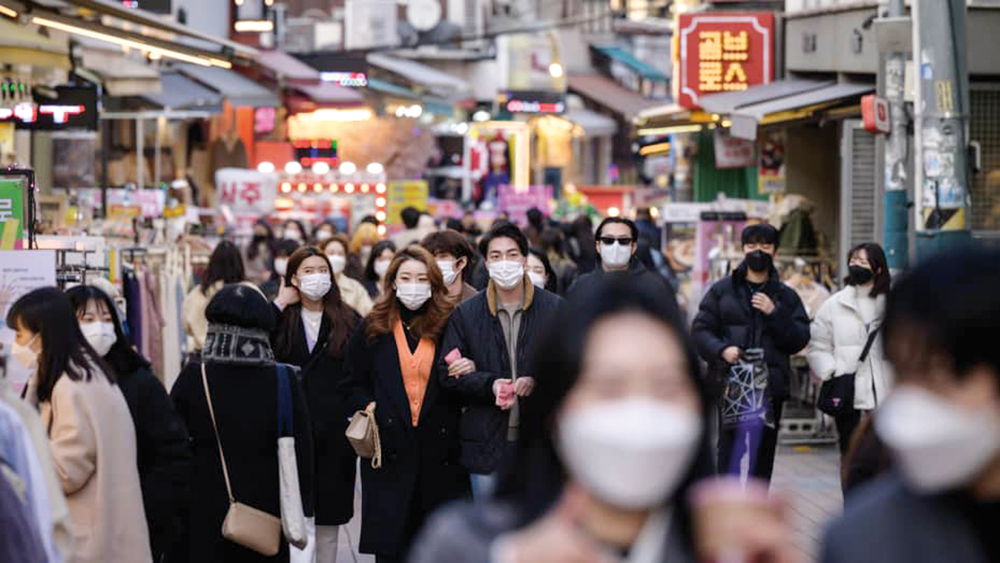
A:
(836, 395)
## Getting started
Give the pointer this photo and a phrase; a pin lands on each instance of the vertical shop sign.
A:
(403, 194)
(11, 214)
(246, 191)
(724, 52)
(771, 164)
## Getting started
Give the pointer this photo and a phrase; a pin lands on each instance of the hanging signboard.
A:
(12, 217)
(516, 203)
(21, 271)
(771, 163)
(731, 152)
(403, 194)
(724, 52)
(74, 107)
(246, 191)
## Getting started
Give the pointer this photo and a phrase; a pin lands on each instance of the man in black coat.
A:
(494, 332)
(617, 243)
(752, 309)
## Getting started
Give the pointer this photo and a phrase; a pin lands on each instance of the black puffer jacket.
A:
(636, 273)
(475, 330)
(726, 318)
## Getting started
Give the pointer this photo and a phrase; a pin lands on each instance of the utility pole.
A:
(942, 106)
(896, 212)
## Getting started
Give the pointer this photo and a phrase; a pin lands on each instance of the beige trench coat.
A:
(92, 440)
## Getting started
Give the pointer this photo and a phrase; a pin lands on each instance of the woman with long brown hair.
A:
(391, 361)
(314, 325)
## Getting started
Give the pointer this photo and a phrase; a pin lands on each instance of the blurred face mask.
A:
(537, 279)
(281, 266)
(506, 273)
(315, 286)
(447, 268)
(381, 267)
(25, 355)
(631, 453)
(413, 295)
(939, 445)
(292, 234)
(616, 255)
(337, 262)
(100, 335)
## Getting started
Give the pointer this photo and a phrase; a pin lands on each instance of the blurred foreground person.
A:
(612, 439)
(91, 434)
(941, 422)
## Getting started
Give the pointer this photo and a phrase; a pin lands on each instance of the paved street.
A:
(808, 476)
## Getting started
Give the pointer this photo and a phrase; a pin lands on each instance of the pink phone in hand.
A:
(453, 356)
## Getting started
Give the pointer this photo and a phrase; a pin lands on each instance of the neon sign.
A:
(351, 79)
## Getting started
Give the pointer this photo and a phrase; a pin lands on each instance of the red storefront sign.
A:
(724, 52)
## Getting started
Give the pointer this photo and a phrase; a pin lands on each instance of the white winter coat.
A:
(838, 338)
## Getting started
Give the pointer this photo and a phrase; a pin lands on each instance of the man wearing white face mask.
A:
(941, 422)
(617, 243)
(489, 345)
(453, 255)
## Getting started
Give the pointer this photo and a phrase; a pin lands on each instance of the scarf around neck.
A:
(228, 344)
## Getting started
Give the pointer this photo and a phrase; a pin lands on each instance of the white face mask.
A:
(100, 335)
(939, 445)
(537, 279)
(616, 255)
(381, 267)
(281, 266)
(506, 273)
(631, 453)
(25, 355)
(337, 262)
(292, 234)
(315, 286)
(365, 253)
(447, 268)
(413, 295)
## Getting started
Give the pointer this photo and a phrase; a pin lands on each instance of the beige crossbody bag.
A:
(244, 525)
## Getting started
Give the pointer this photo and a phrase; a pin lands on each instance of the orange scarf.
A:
(415, 367)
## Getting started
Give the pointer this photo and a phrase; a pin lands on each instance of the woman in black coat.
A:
(164, 454)
(392, 361)
(242, 378)
(312, 330)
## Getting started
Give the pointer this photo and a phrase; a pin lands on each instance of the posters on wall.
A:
(516, 203)
(731, 152)
(12, 219)
(771, 163)
(403, 194)
(21, 271)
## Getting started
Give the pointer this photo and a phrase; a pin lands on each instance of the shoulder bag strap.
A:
(868, 345)
(215, 428)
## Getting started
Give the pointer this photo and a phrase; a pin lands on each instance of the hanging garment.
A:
(171, 338)
(153, 322)
(133, 306)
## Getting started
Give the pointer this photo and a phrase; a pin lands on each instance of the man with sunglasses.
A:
(617, 243)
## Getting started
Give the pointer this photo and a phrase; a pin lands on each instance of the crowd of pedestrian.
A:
(526, 395)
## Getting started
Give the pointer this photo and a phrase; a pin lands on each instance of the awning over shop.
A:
(390, 89)
(726, 102)
(593, 123)
(180, 93)
(238, 90)
(746, 118)
(645, 70)
(608, 93)
(326, 94)
(24, 45)
(294, 72)
(121, 75)
(439, 82)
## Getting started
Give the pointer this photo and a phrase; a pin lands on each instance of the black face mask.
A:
(859, 275)
(759, 261)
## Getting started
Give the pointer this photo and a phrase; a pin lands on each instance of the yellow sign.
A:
(403, 194)
(721, 55)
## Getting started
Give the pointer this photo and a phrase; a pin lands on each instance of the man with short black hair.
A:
(617, 242)
(487, 350)
(453, 255)
(752, 309)
(412, 234)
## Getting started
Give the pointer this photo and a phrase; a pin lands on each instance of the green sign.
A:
(11, 215)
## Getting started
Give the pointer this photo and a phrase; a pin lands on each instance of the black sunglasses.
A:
(611, 240)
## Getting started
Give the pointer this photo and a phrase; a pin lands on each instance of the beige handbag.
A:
(362, 433)
(244, 525)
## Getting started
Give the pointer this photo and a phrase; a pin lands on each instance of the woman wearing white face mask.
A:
(91, 435)
(377, 266)
(164, 455)
(392, 361)
(610, 442)
(351, 290)
(941, 422)
(314, 324)
(539, 269)
(283, 249)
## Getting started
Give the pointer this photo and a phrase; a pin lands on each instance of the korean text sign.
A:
(724, 52)
(246, 191)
